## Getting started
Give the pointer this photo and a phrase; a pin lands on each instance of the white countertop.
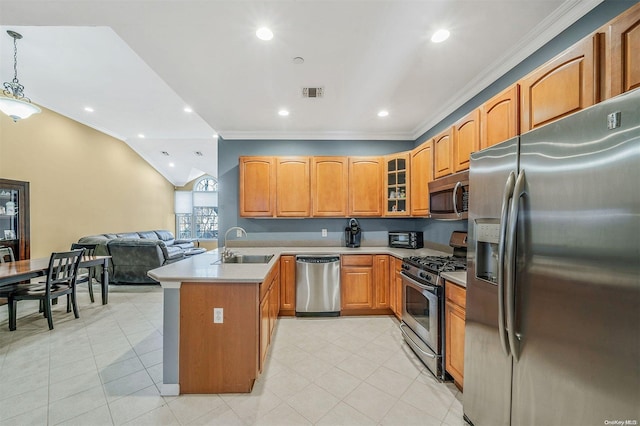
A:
(459, 277)
(207, 268)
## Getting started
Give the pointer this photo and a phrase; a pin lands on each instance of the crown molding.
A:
(325, 135)
(563, 17)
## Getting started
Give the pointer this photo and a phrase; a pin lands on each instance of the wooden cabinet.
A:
(257, 186)
(564, 85)
(381, 281)
(264, 330)
(395, 286)
(14, 218)
(356, 282)
(269, 306)
(499, 117)
(454, 311)
(443, 154)
(329, 186)
(287, 285)
(466, 139)
(365, 186)
(397, 188)
(622, 57)
(364, 284)
(293, 187)
(421, 175)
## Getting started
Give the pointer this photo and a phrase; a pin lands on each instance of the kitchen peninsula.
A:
(218, 317)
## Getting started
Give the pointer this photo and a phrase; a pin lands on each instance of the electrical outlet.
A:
(238, 233)
(324, 232)
(218, 315)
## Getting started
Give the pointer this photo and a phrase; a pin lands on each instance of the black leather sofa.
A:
(135, 253)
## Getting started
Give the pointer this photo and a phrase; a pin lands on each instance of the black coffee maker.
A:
(352, 234)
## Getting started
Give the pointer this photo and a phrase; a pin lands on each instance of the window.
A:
(197, 210)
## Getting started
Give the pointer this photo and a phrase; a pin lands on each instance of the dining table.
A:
(24, 270)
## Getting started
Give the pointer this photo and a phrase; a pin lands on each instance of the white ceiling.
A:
(139, 63)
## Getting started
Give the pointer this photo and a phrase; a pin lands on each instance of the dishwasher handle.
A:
(318, 259)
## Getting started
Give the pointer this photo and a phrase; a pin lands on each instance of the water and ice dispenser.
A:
(487, 240)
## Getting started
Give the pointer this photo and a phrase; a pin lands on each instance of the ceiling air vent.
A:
(198, 153)
(312, 92)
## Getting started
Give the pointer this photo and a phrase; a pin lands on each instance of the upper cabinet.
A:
(466, 139)
(397, 184)
(499, 117)
(292, 187)
(443, 154)
(365, 186)
(421, 175)
(329, 186)
(564, 85)
(622, 57)
(257, 186)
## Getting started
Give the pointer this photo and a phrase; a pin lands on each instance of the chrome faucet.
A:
(227, 253)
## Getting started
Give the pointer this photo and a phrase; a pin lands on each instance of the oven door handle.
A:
(429, 288)
(414, 342)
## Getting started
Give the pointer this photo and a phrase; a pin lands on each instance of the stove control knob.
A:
(425, 276)
(405, 267)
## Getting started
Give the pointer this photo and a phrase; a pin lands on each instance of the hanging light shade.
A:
(14, 103)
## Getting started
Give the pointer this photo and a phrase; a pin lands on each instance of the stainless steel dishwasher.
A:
(318, 285)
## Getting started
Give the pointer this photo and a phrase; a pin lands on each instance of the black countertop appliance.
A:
(352, 234)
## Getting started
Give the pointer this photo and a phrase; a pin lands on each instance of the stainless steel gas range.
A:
(423, 302)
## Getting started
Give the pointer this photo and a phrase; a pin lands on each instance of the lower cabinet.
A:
(287, 286)
(269, 307)
(454, 311)
(395, 286)
(364, 284)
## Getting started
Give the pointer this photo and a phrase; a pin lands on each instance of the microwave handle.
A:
(455, 201)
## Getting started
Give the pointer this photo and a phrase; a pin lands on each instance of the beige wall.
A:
(82, 182)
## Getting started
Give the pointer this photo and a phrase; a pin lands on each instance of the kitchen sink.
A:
(247, 258)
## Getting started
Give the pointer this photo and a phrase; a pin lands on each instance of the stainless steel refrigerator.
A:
(553, 279)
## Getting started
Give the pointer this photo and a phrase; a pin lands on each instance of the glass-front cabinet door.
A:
(14, 217)
(397, 185)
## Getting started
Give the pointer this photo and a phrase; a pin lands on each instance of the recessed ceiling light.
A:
(440, 36)
(88, 109)
(383, 113)
(264, 33)
(298, 60)
(283, 112)
(141, 135)
(171, 165)
(187, 109)
(215, 136)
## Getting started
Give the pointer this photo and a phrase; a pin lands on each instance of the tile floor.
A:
(105, 368)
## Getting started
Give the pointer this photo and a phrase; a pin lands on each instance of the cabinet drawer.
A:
(357, 260)
(456, 294)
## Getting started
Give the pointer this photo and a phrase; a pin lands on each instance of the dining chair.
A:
(85, 275)
(61, 280)
(6, 254)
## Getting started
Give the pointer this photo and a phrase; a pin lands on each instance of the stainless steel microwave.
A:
(449, 197)
(406, 239)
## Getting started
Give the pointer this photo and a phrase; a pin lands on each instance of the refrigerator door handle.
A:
(455, 202)
(504, 213)
(510, 258)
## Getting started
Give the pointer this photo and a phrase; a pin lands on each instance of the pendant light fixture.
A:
(14, 103)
